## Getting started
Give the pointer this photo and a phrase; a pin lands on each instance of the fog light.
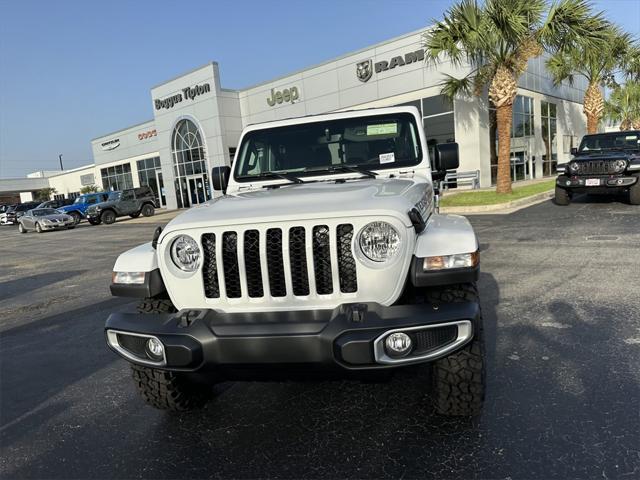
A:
(155, 349)
(398, 344)
(568, 182)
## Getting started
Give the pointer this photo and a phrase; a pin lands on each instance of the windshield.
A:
(114, 196)
(372, 143)
(79, 200)
(612, 141)
(41, 212)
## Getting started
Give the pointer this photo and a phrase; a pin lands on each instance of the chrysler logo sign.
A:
(110, 144)
(365, 69)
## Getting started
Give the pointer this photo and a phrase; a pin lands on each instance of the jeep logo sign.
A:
(287, 95)
(364, 72)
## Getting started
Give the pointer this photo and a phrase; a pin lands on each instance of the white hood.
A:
(326, 199)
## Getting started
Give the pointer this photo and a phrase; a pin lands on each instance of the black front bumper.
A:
(198, 340)
(607, 183)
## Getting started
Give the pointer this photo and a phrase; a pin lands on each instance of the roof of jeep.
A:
(355, 113)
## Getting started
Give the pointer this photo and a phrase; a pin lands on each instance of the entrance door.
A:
(198, 191)
(162, 201)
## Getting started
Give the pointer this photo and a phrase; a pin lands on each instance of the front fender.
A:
(139, 259)
(446, 235)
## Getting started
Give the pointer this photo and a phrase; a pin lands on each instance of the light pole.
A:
(60, 158)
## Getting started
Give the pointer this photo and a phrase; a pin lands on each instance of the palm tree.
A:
(597, 65)
(497, 40)
(44, 194)
(623, 106)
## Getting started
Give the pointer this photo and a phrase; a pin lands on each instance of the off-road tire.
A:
(459, 379)
(38, 228)
(148, 210)
(76, 217)
(167, 390)
(21, 228)
(108, 217)
(134, 215)
(634, 193)
(94, 221)
(562, 197)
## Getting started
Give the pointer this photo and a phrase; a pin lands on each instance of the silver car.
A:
(41, 219)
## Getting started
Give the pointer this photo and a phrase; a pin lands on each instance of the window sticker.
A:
(382, 129)
(387, 157)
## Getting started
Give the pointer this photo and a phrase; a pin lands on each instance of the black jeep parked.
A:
(132, 202)
(607, 163)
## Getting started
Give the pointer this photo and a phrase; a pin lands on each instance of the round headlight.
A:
(574, 167)
(185, 253)
(379, 241)
(619, 166)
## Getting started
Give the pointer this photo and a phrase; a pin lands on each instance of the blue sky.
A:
(73, 70)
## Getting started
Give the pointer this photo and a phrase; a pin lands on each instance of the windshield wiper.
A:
(344, 168)
(283, 176)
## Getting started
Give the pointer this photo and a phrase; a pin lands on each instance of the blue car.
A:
(78, 209)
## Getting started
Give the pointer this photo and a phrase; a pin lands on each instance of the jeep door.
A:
(127, 204)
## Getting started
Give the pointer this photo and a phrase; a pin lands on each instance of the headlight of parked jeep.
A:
(619, 166)
(379, 241)
(574, 167)
(185, 253)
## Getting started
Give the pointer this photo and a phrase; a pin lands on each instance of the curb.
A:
(508, 207)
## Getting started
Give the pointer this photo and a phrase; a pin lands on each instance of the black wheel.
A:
(562, 196)
(108, 217)
(38, 228)
(21, 228)
(634, 194)
(76, 217)
(71, 227)
(148, 210)
(167, 390)
(94, 221)
(134, 215)
(459, 379)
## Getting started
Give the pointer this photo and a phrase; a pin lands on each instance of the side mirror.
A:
(220, 178)
(574, 150)
(446, 157)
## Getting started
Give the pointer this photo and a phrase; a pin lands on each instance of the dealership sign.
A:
(290, 94)
(190, 93)
(149, 134)
(110, 144)
(365, 69)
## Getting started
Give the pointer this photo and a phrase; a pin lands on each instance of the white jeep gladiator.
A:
(324, 253)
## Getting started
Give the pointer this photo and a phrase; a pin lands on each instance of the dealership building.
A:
(197, 122)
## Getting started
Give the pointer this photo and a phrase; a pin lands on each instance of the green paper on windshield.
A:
(382, 129)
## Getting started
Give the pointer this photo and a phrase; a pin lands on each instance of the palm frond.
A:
(453, 87)
(573, 23)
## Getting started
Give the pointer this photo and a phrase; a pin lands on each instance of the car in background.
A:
(78, 209)
(42, 219)
(63, 202)
(3, 213)
(133, 202)
(14, 212)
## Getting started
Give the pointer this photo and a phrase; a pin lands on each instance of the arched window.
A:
(189, 165)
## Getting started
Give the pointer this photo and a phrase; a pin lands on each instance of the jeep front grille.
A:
(596, 167)
(275, 262)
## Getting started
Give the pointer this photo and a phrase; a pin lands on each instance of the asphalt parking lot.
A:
(561, 298)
